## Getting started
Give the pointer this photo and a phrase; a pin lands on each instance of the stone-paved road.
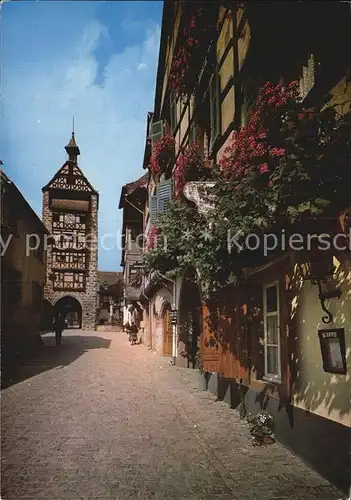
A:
(98, 418)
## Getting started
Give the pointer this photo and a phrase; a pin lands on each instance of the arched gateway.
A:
(70, 213)
(70, 309)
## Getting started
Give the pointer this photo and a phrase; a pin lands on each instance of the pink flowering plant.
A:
(287, 164)
(152, 236)
(189, 55)
(282, 165)
(162, 154)
(189, 167)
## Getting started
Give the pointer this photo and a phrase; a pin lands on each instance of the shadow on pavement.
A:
(48, 356)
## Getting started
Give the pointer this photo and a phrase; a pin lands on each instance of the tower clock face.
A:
(70, 218)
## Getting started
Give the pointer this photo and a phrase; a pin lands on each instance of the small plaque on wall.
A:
(332, 343)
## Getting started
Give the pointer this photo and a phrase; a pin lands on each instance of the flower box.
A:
(200, 193)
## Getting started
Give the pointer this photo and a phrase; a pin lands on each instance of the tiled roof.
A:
(109, 277)
(76, 205)
(141, 182)
(132, 186)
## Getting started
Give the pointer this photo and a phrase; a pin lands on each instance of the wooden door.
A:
(209, 344)
(167, 333)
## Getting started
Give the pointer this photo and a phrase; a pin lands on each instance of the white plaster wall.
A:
(126, 315)
(325, 394)
(159, 337)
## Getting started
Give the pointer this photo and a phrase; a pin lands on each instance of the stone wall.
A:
(89, 299)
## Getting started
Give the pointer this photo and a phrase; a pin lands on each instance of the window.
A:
(193, 132)
(248, 93)
(215, 115)
(77, 258)
(69, 281)
(271, 331)
(157, 131)
(135, 275)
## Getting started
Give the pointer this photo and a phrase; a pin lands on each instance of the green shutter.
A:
(153, 209)
(164, 195)
(157, 131)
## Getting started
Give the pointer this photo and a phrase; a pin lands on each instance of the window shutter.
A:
(153, 209)
(193, 133)
(157, 131)
(164, 195)
(214, 107)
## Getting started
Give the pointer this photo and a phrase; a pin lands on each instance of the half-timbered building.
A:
(70, 213)
(264, 352)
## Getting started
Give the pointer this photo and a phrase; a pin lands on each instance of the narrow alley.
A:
(98, 418)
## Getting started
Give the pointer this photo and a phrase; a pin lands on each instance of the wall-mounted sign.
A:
(332, 343)
(174, 316)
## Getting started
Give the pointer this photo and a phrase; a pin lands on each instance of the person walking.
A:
(58, 328)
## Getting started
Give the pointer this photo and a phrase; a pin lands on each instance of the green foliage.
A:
(184, 242)
(285, 165)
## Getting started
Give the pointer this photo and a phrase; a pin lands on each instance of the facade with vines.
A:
(250, 137)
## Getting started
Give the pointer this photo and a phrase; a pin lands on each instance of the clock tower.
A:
(70, 213)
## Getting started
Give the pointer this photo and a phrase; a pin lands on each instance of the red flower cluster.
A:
(152, 238)
(161, 152)
(249, 147)
(189, 157)
(181, 61)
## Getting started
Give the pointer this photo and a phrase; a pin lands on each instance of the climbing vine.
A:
(287, 163)
(162, 155)
(190, 166)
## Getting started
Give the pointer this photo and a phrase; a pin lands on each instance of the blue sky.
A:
(96, 61)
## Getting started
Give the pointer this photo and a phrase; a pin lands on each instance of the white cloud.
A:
(110, 119)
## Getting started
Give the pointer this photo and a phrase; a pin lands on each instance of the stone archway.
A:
(190, 318)
(71, 311)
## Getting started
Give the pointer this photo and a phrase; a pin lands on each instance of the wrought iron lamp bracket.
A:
(323, 296)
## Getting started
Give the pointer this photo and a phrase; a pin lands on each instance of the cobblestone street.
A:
(98, 418)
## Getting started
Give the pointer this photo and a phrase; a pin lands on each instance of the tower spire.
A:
(72, 148)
